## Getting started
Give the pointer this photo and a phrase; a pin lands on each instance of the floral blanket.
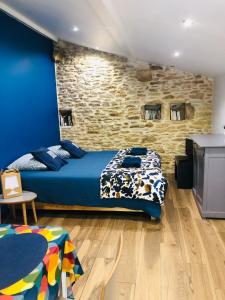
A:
(146, 182)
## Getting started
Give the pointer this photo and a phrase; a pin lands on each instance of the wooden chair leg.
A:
(105, 288)
(34, 211)
(24, 213)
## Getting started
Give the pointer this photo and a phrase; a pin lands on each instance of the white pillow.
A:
(27, 163)
(59, 151)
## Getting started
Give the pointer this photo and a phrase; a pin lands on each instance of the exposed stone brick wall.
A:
(107, 101)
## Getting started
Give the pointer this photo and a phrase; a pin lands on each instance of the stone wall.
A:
(107, 101)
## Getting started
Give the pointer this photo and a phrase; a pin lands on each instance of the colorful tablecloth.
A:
(44, 281)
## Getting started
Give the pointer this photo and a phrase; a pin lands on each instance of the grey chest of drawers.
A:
(209, 174)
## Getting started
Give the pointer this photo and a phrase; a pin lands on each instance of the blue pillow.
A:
(49, 158)
(73, 149)
(138, 151)
(27, 162)
(131, 162)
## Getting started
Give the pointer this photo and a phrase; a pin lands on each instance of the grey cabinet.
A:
(209, 177)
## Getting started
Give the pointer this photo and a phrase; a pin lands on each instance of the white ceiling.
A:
(145, 30)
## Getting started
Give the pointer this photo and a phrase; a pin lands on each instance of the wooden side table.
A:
(25, 198)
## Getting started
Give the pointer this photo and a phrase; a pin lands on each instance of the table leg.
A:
(65, 292)
(24, 213)
(63, 285)
(34, 211)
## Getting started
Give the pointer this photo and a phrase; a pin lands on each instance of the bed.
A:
(77, 186)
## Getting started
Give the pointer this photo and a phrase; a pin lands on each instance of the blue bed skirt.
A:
(78, 183)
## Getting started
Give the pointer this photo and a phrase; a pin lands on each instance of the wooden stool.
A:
(26, 197)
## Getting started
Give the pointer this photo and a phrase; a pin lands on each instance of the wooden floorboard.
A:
(180, 257)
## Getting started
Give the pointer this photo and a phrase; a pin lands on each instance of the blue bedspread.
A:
(78, 183)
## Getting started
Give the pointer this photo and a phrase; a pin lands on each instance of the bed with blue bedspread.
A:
(79, 183)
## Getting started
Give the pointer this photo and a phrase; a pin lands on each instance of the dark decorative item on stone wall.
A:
(156, 68)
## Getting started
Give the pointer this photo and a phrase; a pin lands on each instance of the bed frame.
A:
(47, 206)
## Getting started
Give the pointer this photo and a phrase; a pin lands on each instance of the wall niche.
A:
(177, 112)
(152, 112)
(181, 111)
(65, 117)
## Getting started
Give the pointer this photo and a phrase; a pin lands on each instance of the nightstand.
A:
(23, 200)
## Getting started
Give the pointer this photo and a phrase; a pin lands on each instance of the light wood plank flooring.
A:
(180, 257)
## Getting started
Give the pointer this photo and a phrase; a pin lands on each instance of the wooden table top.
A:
(25, 197)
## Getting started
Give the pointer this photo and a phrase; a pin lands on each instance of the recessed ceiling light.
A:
(75, 28)
(176, 54)
(187, 23)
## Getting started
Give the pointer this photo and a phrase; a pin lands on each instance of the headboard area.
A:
(28, 101)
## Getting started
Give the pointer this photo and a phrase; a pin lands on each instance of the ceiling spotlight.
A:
(176, 54)
(75, 28)
(187, 23)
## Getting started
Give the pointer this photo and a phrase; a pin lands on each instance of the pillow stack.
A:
(51, 158)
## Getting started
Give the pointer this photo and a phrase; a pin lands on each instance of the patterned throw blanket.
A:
(146, 182)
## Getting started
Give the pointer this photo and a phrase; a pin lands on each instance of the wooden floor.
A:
(180, 257)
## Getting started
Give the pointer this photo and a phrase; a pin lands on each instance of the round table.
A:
(20, 254)
(26, 197)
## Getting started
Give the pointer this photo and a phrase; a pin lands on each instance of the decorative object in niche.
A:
(177, 112)
(144, 74)
(152, 112)
(65, 117)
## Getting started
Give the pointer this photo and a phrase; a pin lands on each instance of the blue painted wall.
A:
(28, 103)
